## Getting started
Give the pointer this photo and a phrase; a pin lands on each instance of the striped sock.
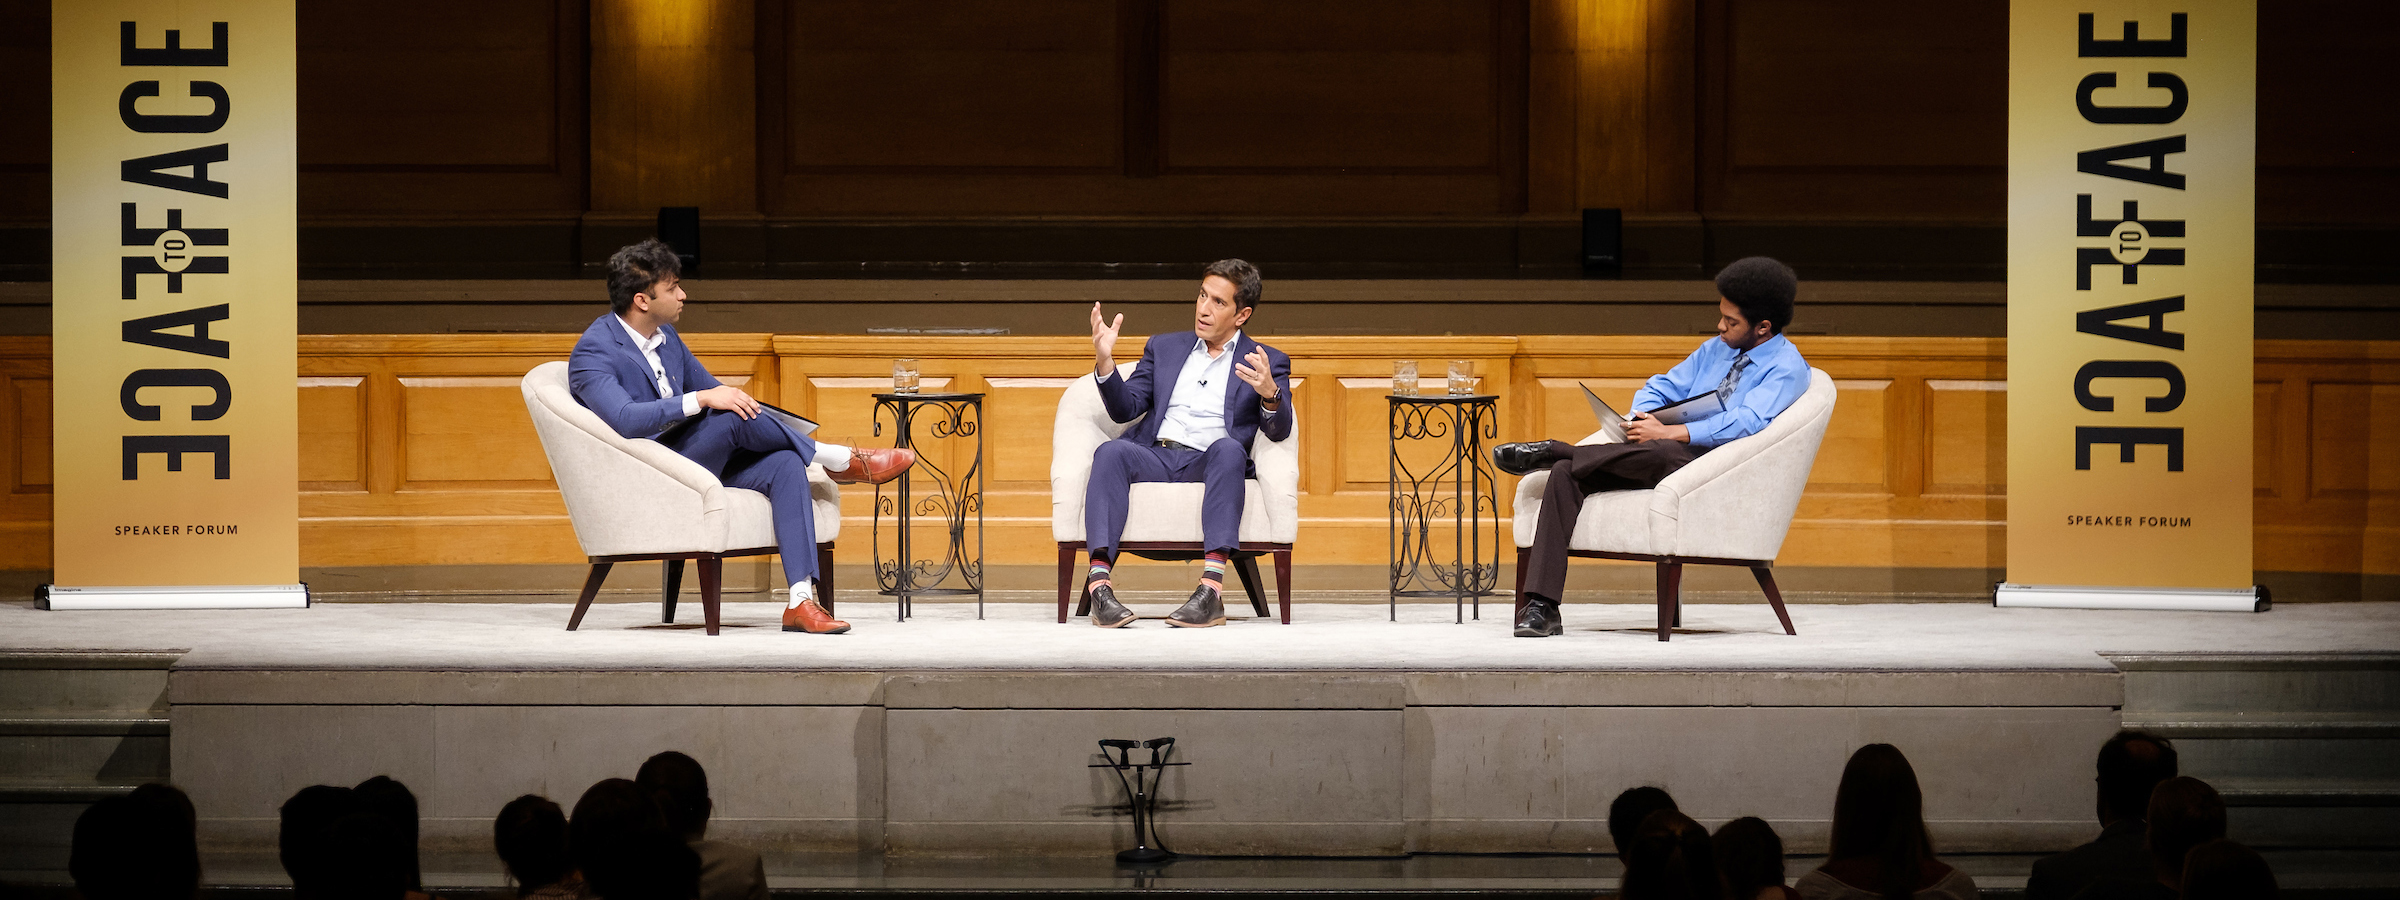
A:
(1099, 577)
(1212, 571)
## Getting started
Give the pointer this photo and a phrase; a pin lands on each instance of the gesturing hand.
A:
(726, 396)
(1104, 332)
(1255, 371)
(1104, 342)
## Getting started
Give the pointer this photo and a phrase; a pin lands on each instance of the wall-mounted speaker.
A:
(679, 226)
(1603, 238)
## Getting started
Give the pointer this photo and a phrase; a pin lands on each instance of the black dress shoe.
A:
(1106, 611)
(1528, 457)
(1540, 618)
(1206, 608)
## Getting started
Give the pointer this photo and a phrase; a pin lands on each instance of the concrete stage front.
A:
(1341, 734)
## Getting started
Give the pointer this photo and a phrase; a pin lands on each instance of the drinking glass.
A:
(1462, 377)
(1404, 378)
(904, 376)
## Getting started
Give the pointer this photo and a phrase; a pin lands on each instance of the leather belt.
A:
(1163, 442)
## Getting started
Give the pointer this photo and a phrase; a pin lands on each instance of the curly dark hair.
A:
(1762, 287)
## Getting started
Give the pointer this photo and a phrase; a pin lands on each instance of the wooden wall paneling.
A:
(1966, 437)
(1320, 85)
(25, 157)
(333, 433)
(447, 108)
(1034, 109)
(2322, 158)
(674, 111)
(1819, 108)
(398, 476)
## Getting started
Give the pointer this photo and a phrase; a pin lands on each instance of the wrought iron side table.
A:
(955, 499)
(1456, 490)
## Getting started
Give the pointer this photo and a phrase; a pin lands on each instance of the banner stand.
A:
(213, 596)
(2057, 596)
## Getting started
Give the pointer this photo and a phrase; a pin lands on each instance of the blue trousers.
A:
(1117, 465)
(762, 455)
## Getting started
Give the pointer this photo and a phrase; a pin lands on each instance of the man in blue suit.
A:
(1206, 392)
(632, 369)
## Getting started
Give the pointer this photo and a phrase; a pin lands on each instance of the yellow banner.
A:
(174, 292)
(2130, 220)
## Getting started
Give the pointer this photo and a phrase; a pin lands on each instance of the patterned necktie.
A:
(1733, 377)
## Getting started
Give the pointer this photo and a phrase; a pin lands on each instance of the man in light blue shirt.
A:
(1752, 369)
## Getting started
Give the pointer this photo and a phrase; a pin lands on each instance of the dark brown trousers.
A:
(1590, 470)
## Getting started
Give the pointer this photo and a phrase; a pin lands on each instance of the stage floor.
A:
(1026, 636)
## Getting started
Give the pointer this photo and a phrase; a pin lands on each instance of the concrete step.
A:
(2366, 759)
(2307, 792)
(87, 680)
(2251, 724)
(2160, 683)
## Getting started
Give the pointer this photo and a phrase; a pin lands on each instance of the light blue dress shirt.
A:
(1775, 377)
(1195, 415)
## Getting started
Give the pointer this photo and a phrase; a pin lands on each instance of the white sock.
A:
(802, 592)
(834, 457)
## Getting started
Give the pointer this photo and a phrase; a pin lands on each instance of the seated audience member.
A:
(2224, 870)
(359, 863)
(1670, 860)
(1629, 810)
(140, 846)
(531, 837)
(619, 840)
(1750, 858)
(727, 872)
(305, 840)
(397, 804)
(2130, 765)
(2184, 812)
(1880, 847)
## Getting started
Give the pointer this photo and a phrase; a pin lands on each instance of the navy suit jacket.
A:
(608, 376)
(1153, 379)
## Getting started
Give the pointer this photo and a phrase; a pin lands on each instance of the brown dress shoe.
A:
(811, 618)
(875, 466)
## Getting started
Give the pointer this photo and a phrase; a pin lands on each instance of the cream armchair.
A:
(1730, 507)
(1165, 523)
(634, 499)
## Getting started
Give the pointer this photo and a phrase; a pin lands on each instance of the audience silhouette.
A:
(1879, 846)
(142, 846)
(2162, 836)
(1750, 859)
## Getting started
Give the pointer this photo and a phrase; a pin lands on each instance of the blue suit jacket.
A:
(609, 377)
(1153, 379)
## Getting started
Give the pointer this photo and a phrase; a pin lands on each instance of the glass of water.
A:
(1462, 377)
(904, 376)
(1404, 378)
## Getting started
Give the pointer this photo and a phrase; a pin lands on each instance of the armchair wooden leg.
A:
(825, 577)
(1524, 555)
(671, 576)
(1283, 583)
(1766, 582)
(1670, 582)
(591, 588)
(712, 582)
(1246, 567)
(1066, 572)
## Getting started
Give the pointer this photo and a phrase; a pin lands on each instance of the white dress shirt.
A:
(658, 370)
(1195, 414)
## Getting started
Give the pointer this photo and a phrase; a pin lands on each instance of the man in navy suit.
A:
(632, 369)
(1206, 392)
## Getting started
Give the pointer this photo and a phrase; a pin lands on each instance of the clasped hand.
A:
(1642, 428)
